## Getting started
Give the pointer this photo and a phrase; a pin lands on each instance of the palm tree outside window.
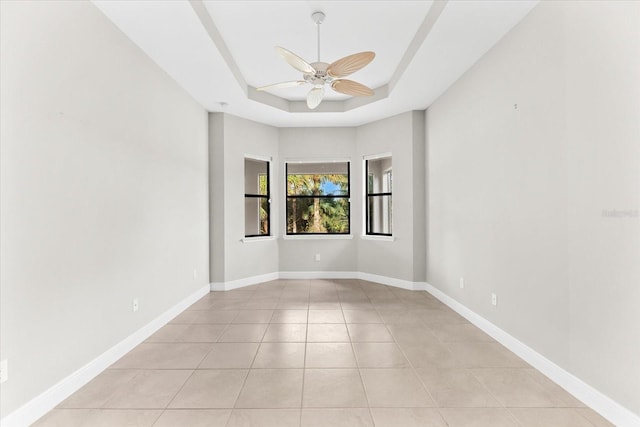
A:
(318, 198)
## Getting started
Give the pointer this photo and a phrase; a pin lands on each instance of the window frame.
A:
(267, 160)
(368, 197)
(347, 196)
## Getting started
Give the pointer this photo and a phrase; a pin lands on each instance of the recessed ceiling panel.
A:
(251, 29)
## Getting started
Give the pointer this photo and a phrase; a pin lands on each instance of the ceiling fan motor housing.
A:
(320, 77)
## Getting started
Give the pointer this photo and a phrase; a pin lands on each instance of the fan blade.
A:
(315, 97)
(350, 64)
(349, 87)
(295, 61)
(281, 85)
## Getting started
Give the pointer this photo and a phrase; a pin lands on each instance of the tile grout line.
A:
(364, 387)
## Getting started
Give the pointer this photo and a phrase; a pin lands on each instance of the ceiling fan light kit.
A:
(319, 74)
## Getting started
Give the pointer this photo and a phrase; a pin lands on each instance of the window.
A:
(257, 201)
(318, 198)
(379, 218)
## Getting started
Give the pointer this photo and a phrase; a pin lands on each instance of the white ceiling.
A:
(219, 51)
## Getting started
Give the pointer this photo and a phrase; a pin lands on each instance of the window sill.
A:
(318, 237)
(380, 238)
(257, 239)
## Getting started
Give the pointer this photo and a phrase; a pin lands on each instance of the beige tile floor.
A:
(321, 353)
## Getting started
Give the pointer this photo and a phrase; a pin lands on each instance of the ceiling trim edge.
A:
(283, 104)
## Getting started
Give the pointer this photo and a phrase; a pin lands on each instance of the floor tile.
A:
(326, 316)
(216, 316)
(289, 316)
(549, 417)
(361, 316)
(479, 417)
(369, 332)
(459, 332)
(293, 304)
(330, 355)
(253, 316)
(484, 355)
(186, 317)
(270, 354)
(400, 316)
(228, 305)
(230, 355)
(271, 388)
(347, 417)
(286, 332)
(412, 334)
(168, 333)
(596, 419)
(428, 355)
(203, 303)
(379, 355)
(63, 418)
(201, 333)
(210, 388)
(324, 305)
(264, 418)
(121, 417)
(333, 388)
(164, 356)
(395, 388)
(455, 388)
(99, 390)
(193, 418)
(357, 305)
(149, 389)
(558, 393)
(280, 355)
(514, 387)
(325, 332)
(244, 333)
(261, 303)
(407, 417)
(440, 316)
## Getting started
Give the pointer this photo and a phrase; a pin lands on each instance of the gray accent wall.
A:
(103, 192)
(534, 190)
(319, 144)
(230, 140)
(403, 137)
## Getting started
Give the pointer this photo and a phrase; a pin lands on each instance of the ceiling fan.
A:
(320, 73)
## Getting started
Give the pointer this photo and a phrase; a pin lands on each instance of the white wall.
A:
(230, 140)
(103, 192)
(603, 148)
(525, 152)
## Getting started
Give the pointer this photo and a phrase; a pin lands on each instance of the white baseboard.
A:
(241, 283)
(31, 411)
(604, 405)
(308, 275)
(390, 281)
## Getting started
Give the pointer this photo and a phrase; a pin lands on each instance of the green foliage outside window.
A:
(318, 203)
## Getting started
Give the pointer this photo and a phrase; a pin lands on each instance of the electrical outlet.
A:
(494, 299)
(317, 257)
(462, 283)
(4, 373)
(135, 305)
